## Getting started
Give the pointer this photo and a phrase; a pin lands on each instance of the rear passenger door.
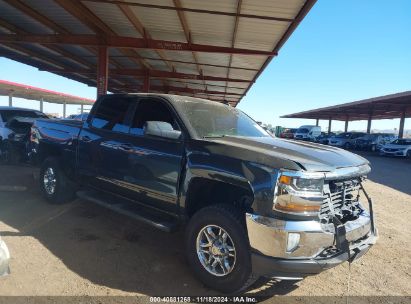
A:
(103, 142)
(154, 163)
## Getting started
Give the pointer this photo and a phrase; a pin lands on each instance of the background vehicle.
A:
(82, 117)
(307, 133)
(15, 124)
(345, 140)
(288, 133)
(399, 147)
(4, 259)
(254, 205)
(324, 138)
(373, 142)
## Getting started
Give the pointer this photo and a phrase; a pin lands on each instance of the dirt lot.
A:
(82, 249)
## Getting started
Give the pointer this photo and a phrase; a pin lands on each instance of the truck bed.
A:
(58, 131)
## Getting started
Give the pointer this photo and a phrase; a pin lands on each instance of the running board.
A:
(130, 209)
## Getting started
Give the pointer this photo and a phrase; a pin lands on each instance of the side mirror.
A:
(161, 129)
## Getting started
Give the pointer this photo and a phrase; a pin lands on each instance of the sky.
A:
(342, 51)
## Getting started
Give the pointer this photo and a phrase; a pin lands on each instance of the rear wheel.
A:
(54, 184)
(218, 250)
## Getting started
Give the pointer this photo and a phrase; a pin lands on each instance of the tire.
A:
(347, 146)
(63, 190)
(373, 148)
(232, 222)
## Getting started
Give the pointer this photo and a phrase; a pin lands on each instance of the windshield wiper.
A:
(214, 136)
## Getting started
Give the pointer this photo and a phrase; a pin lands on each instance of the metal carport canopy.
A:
(13, 89)
(210, 49)
(384, 107)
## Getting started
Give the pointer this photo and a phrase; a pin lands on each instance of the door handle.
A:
(126, 147)
(85, 138)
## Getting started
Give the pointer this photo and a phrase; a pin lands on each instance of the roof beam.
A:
(178, 89)
(194, 10)
(85, 16)
(143, 32)
(41, 65)
(291, 28)
(26, 9)
(35, 15)
(234, 36)
(53, 48)
(153, 73)
(127, 42)
(184, 62)
(187, 34)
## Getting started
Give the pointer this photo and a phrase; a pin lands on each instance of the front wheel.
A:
(54, 184)
(218, 249)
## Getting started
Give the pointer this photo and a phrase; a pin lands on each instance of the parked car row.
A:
(384, 143)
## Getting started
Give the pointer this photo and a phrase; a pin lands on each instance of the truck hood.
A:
(310, 156)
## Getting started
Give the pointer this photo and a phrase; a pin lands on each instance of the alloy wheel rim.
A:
(49, 181)
(216, 250)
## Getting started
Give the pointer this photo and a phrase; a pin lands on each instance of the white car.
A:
(4, 259)
(399, 147)
(307, 133)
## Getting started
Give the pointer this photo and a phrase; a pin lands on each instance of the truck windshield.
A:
(209, 119)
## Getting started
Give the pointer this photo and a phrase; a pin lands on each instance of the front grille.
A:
(341, 199)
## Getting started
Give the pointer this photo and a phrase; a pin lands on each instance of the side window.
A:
(111, 115)
(151, 110)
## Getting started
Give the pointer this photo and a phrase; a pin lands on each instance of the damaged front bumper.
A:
(4, 259)
(316, 251)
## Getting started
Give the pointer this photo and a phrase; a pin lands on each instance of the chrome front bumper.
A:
(316, 249)
(4, 259)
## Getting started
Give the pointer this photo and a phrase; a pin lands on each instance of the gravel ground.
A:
(82, 249)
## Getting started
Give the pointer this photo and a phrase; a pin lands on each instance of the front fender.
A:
(255, 178)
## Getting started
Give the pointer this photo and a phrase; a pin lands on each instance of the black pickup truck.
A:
(251, 205)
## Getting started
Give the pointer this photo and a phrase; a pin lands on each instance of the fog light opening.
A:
(293, 241)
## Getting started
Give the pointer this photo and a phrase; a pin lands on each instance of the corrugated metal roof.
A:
(241, 27)
(383, 107)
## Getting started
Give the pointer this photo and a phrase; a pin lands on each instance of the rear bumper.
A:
(393, 153)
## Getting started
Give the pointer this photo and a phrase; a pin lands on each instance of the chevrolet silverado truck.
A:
(251, 205)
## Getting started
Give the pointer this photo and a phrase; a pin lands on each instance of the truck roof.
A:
(171, 97)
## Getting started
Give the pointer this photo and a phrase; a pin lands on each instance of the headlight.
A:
(299, 193)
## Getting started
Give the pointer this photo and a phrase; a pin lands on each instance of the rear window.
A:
(112, 115)
(8, 115)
